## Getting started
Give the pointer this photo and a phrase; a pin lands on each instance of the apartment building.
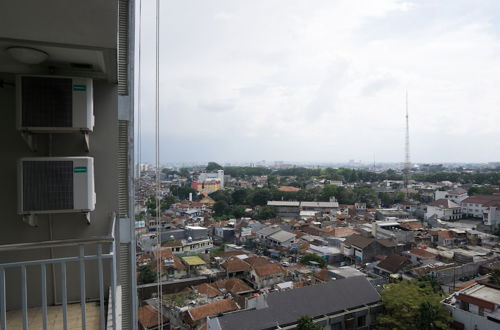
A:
(66, 94)
(474, 206)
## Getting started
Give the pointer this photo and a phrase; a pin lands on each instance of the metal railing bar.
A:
(64, 296)
(113, 287)
(24, 297)
(53, 261)
(101, 286)
(82, 286)
(44, 296)
(3, 304)
(56, 243)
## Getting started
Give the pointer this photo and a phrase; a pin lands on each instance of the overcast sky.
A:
(311, 81)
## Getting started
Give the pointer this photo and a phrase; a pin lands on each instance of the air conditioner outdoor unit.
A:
(54, 104)
(56, 185)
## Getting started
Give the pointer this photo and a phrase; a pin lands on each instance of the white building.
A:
(491, 216)
(475, 206)
(444, 209)
(456, 195)
(219, 175)
(475, 307)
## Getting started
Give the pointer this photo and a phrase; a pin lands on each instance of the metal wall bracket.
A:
(31, 219)
(86, 140)
(87, 217)
(30, 140)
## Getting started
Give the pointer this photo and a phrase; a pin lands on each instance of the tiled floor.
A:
(55, 317)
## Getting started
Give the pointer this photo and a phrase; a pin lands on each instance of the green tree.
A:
(431, 316)
(184, 172)
(182, 192)
(260, 197)
(410, 303)
(221, 208)
(238, 211)
(481, 191)
(239, 196)
(167, 202)
(495, 276)
(307, 323)
(328, 191)
(146, 275)
(213, 166)
(265, 213)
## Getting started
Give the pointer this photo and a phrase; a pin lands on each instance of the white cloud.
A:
(324, 80)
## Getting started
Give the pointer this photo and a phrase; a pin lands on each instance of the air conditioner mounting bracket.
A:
(86, 140)
(29, 138)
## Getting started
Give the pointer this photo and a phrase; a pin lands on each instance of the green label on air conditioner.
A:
(80, 88)
(80, 169)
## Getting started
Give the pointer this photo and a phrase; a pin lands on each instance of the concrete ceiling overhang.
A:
(80, 37)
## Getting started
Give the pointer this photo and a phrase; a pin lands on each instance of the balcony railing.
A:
(106, 242)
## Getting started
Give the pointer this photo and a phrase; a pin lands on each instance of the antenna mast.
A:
(407, 164)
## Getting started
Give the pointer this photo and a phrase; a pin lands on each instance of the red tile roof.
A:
(288, 189)
(269, 269)
(393, 263)
(257, 261)
(221, 306)
(322, 275)
(234, 265)
(422, 253)
(481, 199)
(233, 284)
(148, 316)
(445, 234)
(207, 290)
(444, 203)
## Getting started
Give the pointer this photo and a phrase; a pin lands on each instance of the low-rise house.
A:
(444, 209)
(220, 288)
(274, 236)
(420, 256)
(189, 246)
(326, 303)
(171, 264)
(267, 275)
(392, 264)
(408, 206)
(196, 317)
(281, 238)
(235, 267)
(364, 249)
(149, 319)
(450, 238)
(475, 307)
(456, 195)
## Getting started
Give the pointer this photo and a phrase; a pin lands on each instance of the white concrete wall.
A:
(472, 321)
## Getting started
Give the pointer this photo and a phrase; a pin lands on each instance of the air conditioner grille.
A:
(47, 102)
(47, 185)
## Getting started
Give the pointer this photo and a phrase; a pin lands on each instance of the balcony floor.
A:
(55, 317)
